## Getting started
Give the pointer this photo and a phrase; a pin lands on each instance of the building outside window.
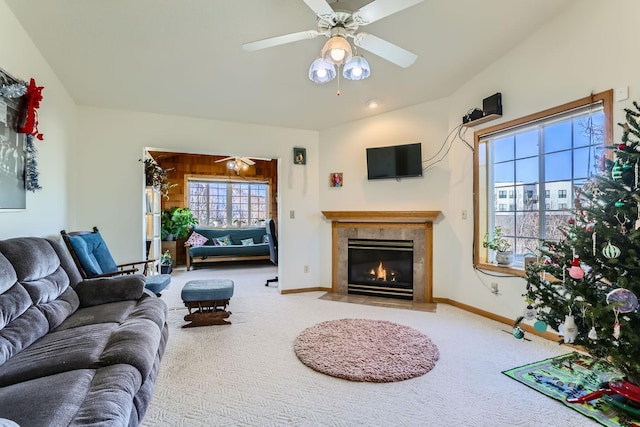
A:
(228, 204)
(551, 153)
(502, 194)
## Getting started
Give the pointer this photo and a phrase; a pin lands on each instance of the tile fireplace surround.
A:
(393, 225)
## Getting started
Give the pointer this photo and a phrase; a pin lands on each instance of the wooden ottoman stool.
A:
(209, 299)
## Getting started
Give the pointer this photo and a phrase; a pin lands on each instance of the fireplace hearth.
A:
(382, 268)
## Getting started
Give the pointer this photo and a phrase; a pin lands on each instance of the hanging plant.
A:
(157, 177)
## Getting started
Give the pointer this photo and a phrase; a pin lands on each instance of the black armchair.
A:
(273, 246)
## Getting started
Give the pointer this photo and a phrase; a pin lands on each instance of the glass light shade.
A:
(336, 50)
(321, 71)
(356, 69)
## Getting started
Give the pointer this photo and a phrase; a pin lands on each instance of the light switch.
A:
(292, 214)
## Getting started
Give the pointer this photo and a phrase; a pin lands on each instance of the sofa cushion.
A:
(56, 352)
(101, 291)
(247, 242)
(81, 397)
(223, 240)
(93, 253)
(196, 239)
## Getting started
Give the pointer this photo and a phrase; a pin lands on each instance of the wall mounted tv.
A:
(394, 162)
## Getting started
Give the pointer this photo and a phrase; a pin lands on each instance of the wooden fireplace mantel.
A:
(392, 216)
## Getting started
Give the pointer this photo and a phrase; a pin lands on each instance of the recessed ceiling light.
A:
(373, 103)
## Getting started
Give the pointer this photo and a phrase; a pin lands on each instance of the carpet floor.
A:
(247, 374)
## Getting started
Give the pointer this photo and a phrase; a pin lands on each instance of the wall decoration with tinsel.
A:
(19, 102)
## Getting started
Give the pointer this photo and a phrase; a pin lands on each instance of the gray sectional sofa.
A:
(236, 251)
(74, 352)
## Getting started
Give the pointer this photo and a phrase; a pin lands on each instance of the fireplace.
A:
(413, 226)
(379, 267)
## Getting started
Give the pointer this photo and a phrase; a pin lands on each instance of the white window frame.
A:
(229, 221)
(484, 204)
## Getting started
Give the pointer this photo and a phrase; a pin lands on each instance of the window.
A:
(502, 207)
(502, 194)
(228, 204)
(511, 195)
(551, 153)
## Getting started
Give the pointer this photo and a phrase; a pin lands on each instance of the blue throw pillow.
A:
(93, 254)
(247, 242)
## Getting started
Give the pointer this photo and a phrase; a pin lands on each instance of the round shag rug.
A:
(366, 350)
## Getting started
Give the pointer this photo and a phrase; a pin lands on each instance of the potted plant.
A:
(157, 177)
(166, 263)
(176, 223)
(500, 245)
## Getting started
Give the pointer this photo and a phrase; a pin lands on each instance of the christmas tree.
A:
(585, 286)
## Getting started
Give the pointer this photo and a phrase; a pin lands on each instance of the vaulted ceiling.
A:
(184, 57)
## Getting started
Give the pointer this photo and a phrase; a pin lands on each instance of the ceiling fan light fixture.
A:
(336, 50)
(321, 71)
(356, 69)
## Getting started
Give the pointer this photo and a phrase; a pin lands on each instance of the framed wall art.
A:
(13, 154)
(335, 179)
(299, 156)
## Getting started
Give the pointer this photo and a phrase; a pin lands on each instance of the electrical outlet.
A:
(464, 214)
(494, 287)
(306, 268)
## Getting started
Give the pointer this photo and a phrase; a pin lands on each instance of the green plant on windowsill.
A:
(500, 245)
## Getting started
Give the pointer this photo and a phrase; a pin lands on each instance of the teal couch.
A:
(236, 251)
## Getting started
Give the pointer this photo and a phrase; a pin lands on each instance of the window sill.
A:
(507, 270)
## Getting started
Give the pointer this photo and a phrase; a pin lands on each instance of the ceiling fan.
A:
(338, 23)
(239, 163)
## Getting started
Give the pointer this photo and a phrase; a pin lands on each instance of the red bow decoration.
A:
(34, 96)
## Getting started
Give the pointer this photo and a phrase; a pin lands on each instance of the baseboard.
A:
(527, 328)
(297, 291)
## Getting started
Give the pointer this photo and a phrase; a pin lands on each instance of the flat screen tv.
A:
(394, 162)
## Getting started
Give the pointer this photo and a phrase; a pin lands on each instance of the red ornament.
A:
(575, 271)
(622, 146)
(34, 96)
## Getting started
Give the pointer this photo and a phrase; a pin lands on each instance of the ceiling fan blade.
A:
(278, 40)
(385, 49)
(247, 161)
(379, 9)
(321, 8)
(225, 159)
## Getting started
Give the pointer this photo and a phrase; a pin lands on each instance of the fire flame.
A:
(380, 273)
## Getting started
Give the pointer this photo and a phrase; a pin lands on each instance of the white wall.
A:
(344, 150)
(110, 180)
(589, 47)
(47, 210)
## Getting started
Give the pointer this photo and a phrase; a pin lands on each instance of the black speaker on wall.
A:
(492, 105)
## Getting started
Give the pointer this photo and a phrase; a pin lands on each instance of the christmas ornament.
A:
(616, 171)
(34, 96)
(616, 330)
(619, 204)
(611, 251)
(625, 300)
(593, 335)
(517, 333)
(575, 271)
(570, 330)
(540, 326)
(529, 313)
